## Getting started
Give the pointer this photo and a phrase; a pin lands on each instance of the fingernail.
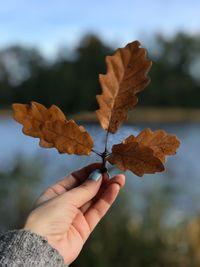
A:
(95, 175)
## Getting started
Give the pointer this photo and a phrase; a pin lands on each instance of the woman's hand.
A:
(67, 212)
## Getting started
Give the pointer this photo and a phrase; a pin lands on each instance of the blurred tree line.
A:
(71, 80)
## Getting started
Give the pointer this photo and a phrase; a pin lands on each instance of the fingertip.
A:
(83, 173)
(123, 179)
(116, 187)
(86, 191)
(111, 192)
(118, 179)
(95, 175)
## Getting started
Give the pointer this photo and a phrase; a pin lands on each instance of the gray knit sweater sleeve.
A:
(23, 248)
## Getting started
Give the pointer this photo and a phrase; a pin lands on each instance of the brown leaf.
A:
(33, 116)
(68, 137)
(52, 127)
(144, 153)
(162, 143)
(136, 158)
(126, 76)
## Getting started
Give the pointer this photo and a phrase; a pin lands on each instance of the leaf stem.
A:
(106, 142)
(96, 152)
(104, 154)
(103, 167)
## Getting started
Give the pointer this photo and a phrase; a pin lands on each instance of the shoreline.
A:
(150, 115)
(139, 115)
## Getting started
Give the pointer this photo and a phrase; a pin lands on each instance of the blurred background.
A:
(52, 52)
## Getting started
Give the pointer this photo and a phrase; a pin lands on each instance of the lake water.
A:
(182, 175)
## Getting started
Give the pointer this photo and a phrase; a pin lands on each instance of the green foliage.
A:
(71, 81)
(17, 191)
(175, 73)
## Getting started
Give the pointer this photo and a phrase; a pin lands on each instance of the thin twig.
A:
(96, 152)
(108, 154)
(106, 142)
(104, 154)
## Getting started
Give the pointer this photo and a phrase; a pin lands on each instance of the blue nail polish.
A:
(95, 175)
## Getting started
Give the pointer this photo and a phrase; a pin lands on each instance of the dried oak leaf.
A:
(162, 143)
(37, 120)
(68, 137)
(144, 153)
(33, 116)
(126, 75)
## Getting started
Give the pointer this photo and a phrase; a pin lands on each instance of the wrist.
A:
(33, 225)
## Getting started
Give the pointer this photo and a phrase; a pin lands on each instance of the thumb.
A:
(86, 191)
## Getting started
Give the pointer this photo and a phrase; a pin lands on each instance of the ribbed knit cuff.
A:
(23, 248)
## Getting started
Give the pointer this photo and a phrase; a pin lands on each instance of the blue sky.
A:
(48, 24)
